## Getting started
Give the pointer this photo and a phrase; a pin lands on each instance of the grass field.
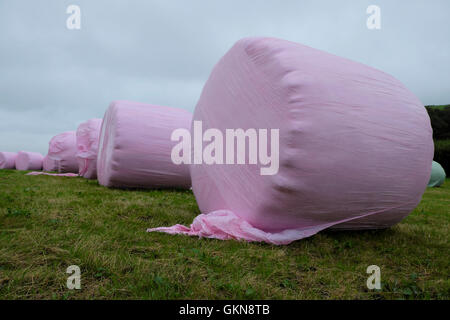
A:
(49, 223)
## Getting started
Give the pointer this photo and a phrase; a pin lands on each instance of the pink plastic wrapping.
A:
(38, 173)
(8, 160)
(62, 149)
(355, 146)
(29, 161)
(135, 146)
(88, 134)
(49, 164)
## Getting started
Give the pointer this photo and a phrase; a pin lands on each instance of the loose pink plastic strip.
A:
(37, 173)
(226, 225)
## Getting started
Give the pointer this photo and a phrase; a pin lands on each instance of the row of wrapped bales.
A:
(75, 151)
(21, 160)
(60, 156)
(135, 148)
(68, 152)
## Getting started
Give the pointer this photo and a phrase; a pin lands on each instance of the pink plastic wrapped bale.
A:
(355, 145)
(8, 160)
(63, 149)
(49, 164)
(135, 146)
(29, 161)
(88, 134)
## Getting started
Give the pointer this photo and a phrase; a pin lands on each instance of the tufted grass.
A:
(49, 223)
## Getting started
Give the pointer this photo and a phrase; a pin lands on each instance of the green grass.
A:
(49, 223)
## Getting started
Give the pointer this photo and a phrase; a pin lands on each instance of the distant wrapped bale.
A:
(88, 134)
(8, 160)
(135, 146)
(63, 149)
(437, 177)
(29, 161)
(49, 164)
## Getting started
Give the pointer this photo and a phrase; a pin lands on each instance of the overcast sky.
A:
(161, 52)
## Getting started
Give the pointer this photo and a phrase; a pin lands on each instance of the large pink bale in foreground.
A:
(135, 146)
(88, 134)
(8, 160)
(62, 149)
(29, 161)
(355, 145)
(48, 164)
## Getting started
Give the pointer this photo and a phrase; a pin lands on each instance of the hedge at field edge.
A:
(440, 121)
(442, 154)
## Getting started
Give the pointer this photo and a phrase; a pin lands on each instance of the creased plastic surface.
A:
(8, 160)
(88, 135)
(225, 225)
(355, 145)
(135, 146)
(49, 164)
(37, 173)
(62, 149)
(437, 177)
(29, 160)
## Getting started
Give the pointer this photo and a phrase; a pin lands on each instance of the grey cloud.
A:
(161, 52)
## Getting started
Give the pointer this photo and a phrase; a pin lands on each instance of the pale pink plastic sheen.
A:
(63, 149)
(8, 160)
(49, 164)
(37, 173)
(355, 145)
(29, 160)
(88, 135)
(135, 146)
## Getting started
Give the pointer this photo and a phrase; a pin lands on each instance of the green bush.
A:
(442, 154)
(440, 121)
